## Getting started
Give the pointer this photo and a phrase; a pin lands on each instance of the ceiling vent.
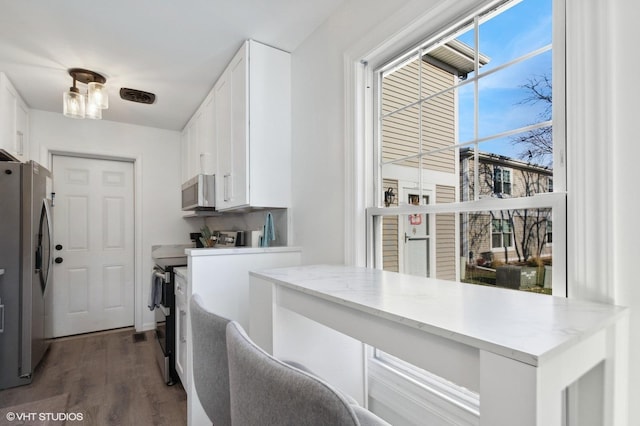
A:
(139, 96)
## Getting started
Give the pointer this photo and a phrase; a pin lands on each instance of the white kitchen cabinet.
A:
(253, 129)
(198, 148)
(14, 121)
(207, 158)
(184, 153)
(220, 276)
(182, 335)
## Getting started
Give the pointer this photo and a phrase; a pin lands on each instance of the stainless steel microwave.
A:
(199, 193)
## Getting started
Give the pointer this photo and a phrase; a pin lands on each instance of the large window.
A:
(468, 119)
(471, 121)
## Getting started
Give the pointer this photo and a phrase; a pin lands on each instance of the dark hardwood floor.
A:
(111, 377)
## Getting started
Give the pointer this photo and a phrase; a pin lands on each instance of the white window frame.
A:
(502, 171)
(555, 200)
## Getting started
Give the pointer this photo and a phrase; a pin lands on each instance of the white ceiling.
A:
(175, 49)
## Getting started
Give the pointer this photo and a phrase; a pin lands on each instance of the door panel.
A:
(94, 283)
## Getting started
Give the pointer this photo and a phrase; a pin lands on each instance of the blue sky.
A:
(521, 29)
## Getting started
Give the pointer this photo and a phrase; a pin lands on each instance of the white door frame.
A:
(138, 321)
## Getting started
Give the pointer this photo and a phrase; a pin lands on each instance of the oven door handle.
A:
(165, 310)
(158, 274)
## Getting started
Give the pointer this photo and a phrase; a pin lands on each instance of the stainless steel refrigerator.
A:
(25, 265)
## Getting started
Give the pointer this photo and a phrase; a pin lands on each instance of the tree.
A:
(530, 225)
(536, 146)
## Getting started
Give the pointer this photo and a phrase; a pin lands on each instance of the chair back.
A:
(210, 365)
(266, 391)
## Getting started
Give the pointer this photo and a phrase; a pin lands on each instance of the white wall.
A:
(319, 150)
(318, 132)
(157, 171)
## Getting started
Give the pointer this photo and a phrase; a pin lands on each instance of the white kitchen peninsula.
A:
(518, 350)
(221, 277)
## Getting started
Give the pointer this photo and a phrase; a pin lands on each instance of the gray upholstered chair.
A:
(266, 391)
(210, 366)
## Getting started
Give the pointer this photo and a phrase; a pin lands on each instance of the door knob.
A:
(58, 246)
(58, 260)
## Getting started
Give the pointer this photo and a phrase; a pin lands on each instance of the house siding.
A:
(390, 255)
(401, 131)
(445, 235)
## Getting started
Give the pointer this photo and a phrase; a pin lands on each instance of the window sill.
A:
(420, 400)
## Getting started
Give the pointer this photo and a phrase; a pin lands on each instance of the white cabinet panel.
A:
(14, 121)
(207, 147)
(222, 111)
(198, 147)
(181, 328)
(238, 181)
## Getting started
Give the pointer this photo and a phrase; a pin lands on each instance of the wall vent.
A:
(139, 96)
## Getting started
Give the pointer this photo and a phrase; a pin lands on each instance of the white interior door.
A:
(415, 236)
(93, 281)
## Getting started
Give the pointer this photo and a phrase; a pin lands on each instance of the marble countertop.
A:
(215, 251)
(524, 326)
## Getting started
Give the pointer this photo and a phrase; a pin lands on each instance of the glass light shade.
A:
(92, 111)
(73, 104)
(98, 95)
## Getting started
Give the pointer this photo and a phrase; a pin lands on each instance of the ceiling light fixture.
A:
(77, 105)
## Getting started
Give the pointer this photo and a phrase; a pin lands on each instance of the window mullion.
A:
(476, 112)
(420, 130)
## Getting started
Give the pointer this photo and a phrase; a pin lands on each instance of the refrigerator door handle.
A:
(1, 318)
(38, 259)
(44, 266)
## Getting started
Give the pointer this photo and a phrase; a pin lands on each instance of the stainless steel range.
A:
(162, 302)
(162, 299)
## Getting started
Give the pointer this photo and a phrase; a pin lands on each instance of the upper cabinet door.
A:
(21, 141)
(238, 182)
(222, 125)
(207, 146)
(14, 121)
(198, 148)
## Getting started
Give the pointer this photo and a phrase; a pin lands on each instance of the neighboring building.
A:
(414, 152)
(421, 244)
(505, 236)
